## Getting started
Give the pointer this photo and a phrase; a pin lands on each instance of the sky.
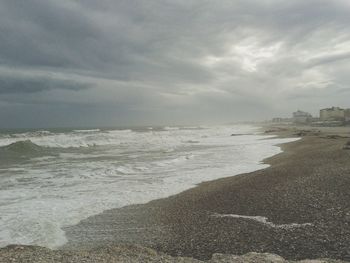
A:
(161, 62)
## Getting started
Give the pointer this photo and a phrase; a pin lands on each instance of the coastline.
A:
(297, 208)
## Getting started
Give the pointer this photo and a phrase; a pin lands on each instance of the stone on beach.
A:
(129, 253)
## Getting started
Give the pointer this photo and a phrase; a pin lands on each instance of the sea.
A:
(53, 178)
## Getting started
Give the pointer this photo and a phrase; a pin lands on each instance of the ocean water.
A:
(55, 178)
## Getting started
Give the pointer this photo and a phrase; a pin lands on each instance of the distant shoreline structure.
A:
(333, 116)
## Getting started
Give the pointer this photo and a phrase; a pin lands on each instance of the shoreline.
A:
(297, 208)
(259, 165)
(120, 215)
(297, 188)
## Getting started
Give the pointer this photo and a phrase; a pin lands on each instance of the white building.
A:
(332, 114)
(301, 117)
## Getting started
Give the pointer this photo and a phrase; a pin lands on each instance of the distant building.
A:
(277, 120)
(332, 114)
(347, 115)
(282, 120)
(301, 117)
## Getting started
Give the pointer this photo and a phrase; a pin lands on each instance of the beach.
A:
(298, 208)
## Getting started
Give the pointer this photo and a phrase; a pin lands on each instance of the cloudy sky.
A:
(129, 62)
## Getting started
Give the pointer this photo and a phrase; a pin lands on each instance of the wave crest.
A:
(23, 147)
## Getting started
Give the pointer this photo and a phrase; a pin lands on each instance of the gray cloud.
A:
(18, 85)
(329, 58)
(155, 61)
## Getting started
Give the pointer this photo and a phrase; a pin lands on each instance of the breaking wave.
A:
(89, 131)
(26, 146)
(73, 139)
(22, 149)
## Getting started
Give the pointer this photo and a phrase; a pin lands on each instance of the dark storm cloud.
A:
(42, 33)
(173, 61)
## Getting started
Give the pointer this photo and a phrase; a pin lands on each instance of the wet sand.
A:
(298, 208)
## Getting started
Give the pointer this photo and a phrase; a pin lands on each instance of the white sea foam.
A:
(41, 195)
(263, 220)
(91, 130)
(71, 139)
(171, 128)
